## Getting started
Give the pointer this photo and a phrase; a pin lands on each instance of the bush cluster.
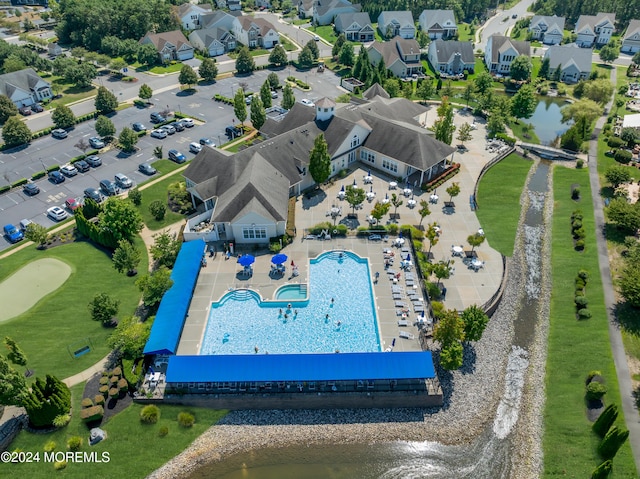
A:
(580, 299)
(577, 230)
(223, 99)
(186, 419)
(446, 175)
(150, 414)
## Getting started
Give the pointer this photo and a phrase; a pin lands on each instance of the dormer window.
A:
(355, 141)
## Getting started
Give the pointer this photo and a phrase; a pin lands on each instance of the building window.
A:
(355, 141)
(390, 165)
(367, 156)
(254, 232)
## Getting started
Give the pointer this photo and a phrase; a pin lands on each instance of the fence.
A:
(485, 168)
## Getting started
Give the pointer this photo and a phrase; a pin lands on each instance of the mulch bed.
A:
(111, 406)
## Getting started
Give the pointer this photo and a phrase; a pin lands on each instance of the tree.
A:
(313, 46)
(520, 69)
(496, 123)
(15, 132)
(13, 388)
(117, 65)
(63, 117)
(37, 233)
(337, 46)
(47, 400)
(16, 354)
(464, 133)
(432, 236)
(13, 63)
(274, 81)
(557, 73)
(624, 215)
(154, 285)
(447, 90)
(354, 196)
(441, 271)
(443, 126)
(239, 106)
(450, 329)
(244, 61)
(475, 321)
(105, 127)
(130, 337)
(135, 195)
(424, 210)
(7, 108)
(188, 76)
(81, 75)
(158, 209)
(165, 249)
(483, 82)
(278, 56)
(379, 210)
(319, 160)
(636, 58)
(453, 191)
(469, 93)
(392, 87)
(571, 139)
(126, 257)
(305, 58)
(629, 136)
(452, 357)
(397, 202)
(103, 308)
(208, 70)
(105, 102)
(347, 56)
(629, 284)
(128, 139)
(425, 90)
(147, 54)
(258, 115)
(544, 68)
(524, 103)
(605, 420)
(265, 94)
(617, 174)
(588, 109)
(475, 239)
(288, 99)
(599, 90)
(609, 53)
(145, 92)
(612, 442)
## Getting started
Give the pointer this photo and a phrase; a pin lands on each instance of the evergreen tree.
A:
(208, 70)
(13, 388)
(288, 100)
(612, 442)
(603, 471)
(557, 73)
(16, 354)
(265, 94)
(63, 117)
(305, 58)
(46, 400)
(319, 160)
(188, 76)
(105, 102)
(443, 126)
(258, 115)
(313, 46)
(244, 61)
(278, 56)
(239, 106)
(347, 57)
(606, 419)
(544, 69)
(337, 46)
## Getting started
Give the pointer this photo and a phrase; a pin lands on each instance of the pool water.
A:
(291, 291)
(240, 322)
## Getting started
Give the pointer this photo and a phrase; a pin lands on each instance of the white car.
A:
(195, 147)
(306, 101)
(161, 134)
(56, 213)
(68, 170)
(188, 122)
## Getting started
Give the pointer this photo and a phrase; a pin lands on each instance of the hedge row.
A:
(580, 299)
(577, 230)
(446, 175)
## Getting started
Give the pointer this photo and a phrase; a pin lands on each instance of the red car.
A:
(72, 204)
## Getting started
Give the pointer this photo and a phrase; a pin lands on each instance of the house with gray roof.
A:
(217, 19)
(631, 40)
(574, 62)
(438, 24)
(213, 41)
(305, 8)
(396, 23)
(255, 32)
(401, 57)
(325, 11)
(244, 196)
(189, 14)
(592, 30)
(170, 45)
(356, 26)
(501, 51)
(451, 57)
(548, 29)
(25, 87)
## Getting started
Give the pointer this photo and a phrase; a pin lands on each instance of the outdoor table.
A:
(399, 241)
(393, 185)
(341, 194)
(335, 211)
(411, 203)
(371, 195)
(407, 191)
(457, 250)
(433, 198)
(372, 220)
(385, 201)
(368, 179)
(476, 264)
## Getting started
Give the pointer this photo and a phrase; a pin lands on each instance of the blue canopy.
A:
(279, 258)
(246, 260)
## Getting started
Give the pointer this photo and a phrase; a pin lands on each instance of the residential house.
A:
(170, 45)
(214, 41)
(25, 87)
(263, 4)
(356, 26)
(244, 197)
(574, 62)
(501, 51)
(305, 8)
(53, 49)
(631, 40)
(451, 57)
(255, 32)
(189, 14)
(218, 19)
(548, 29)
(400, 56)
(438, 24)
(594, 30)
(234, 5)
(325, 11)
(391, 24)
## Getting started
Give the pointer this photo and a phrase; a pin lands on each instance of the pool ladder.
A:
(303, 289)
(241, 294)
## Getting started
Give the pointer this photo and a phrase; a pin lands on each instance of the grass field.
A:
(576, 347)
(499, 201)
(158, 191)
(61, 319)
(135, 449)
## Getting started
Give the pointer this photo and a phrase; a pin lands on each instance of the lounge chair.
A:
(406, 335)
(403, 322)
(400, 304)
(397, 295)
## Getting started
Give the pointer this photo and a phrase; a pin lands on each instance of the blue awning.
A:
(300, 367)
(172, 312)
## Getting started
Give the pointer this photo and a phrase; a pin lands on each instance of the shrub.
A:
(135, 195)
(580, 284)
(595, 391)
(164, 430)
(123, 385)
(117, 371)
(61, 421)
(18, 183)
(579, 163)
(433, 291)
(74, 443)
(615, 142)
(606, 420)
(580, 245)
(622, 156)
(438, 309)
(150, 414)
(114, 393)
(612, 442)
(584, 274)
(50, 446)
(576, 225)
(186, 419)
(91, 414)
(575, 194)
(59, 465)
(576, 215)
(104, 380)
(99, 400)
(104, 390)
(579, 292)
(393, 229)
(86, 402)
(603, 470)
(158, 209)
(584, 314)
(579, 233)
(581, 302)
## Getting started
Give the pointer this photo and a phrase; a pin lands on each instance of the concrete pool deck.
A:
(464, 288)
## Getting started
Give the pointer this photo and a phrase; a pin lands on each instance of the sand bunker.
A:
(23, 289)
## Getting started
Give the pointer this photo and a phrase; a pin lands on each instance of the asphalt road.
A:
(502, 20)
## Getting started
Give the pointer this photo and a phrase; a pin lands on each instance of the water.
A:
(547, 120)
(292, 292)
(240, 321)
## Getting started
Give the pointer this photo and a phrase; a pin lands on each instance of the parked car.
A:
(37, 108)
(157, 117)
(247, 99)
(169, 129)
(59, 133)
(93, 194)
(24, 224)
(159, 133)
(515, 15)
(206, 141)
(178, 126)
(232, 131)
(68, 170)
(56, 213)
(176, 156)
(123, 181)
(25, 111)
(274, 94)
(188, 122)
(139, 127)
(12, 233)
(82, 166)
(147, 169)
(93, 161)
(195, 147)
(96, 142)
(316, 38)
(31, 189)
(72, 204)
(109, 188)
(306, 101)
(56, 177)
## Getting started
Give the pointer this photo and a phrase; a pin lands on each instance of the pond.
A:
(547, 120)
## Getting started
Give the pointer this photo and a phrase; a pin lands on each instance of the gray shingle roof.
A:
(437, 18)
(634, 27)
(208, 35)
(566, 54)
(159, 40)
(324, 6)
(502, 43)
(402, 17)
(549, 20)
(25, 79)
(592, 20)
(375, 90)
(445, 50)
(217, 19)
(344, 20)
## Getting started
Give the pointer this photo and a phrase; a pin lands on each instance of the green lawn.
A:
(464, 33)
(135, 449)
(576, 347)
(70, 93)
(524, 132)
(61, 320)
(158, 191)
(325, 32)
(162, 69)
(499, 201)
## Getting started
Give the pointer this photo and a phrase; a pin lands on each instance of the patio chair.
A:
(400, 304)
(397, 295)
(403, 322)
(406, 335)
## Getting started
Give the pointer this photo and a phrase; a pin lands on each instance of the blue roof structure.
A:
(300, 367)
(172, 312)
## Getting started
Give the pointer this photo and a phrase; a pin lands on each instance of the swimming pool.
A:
(240, 321)
(292, 291)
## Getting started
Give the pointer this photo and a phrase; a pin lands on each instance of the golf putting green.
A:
(24, 288)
